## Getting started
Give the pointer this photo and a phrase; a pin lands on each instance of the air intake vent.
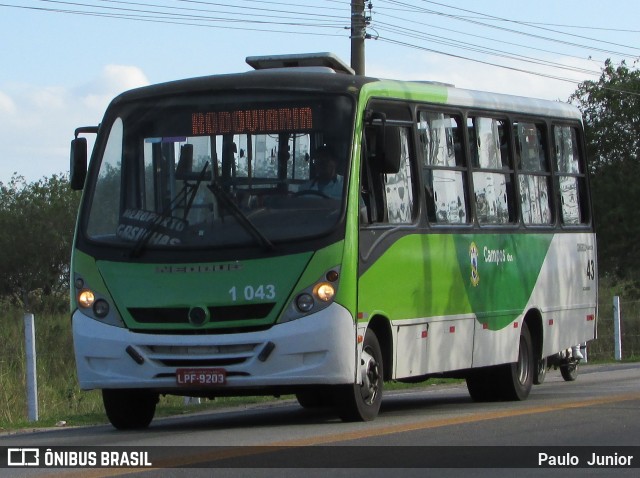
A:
(180, 315)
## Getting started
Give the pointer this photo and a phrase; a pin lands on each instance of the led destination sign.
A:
(252, 121)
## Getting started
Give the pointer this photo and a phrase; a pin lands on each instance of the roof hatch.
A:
(323, 59)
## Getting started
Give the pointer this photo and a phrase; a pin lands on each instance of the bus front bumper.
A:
(319, 349)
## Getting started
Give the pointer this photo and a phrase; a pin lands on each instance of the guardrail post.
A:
(32, 378)
(617, 339)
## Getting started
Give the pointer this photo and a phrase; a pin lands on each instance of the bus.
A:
(457, 240)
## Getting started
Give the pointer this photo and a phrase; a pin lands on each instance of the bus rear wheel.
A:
(569, 371)
(361, 402)
(517, 384)
(541, 371)
(505, 382)
(129, 409)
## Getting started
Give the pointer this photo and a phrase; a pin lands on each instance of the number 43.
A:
(591, 269)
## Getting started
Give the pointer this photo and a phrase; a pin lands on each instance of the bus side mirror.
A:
(78, 163)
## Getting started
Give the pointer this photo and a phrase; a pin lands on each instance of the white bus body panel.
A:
(313, 350)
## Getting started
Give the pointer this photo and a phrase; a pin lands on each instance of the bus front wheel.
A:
(129, 409)
(361, 402)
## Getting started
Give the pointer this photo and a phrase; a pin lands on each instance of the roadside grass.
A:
(62, 403)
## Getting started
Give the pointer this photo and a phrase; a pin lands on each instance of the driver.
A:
(327, 180)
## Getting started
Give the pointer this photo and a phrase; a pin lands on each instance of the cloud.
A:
(478, 76)
(113, 80)
(37, 122)
(7, 106)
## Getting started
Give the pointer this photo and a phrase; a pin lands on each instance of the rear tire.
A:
(541, 371)
(361, 402)
(517, 385)
(483, 385)
(129, 409)
(505, 382)
(569, 371)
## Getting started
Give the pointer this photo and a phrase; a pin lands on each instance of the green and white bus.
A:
(455, 239)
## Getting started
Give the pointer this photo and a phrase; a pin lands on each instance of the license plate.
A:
(202, 377)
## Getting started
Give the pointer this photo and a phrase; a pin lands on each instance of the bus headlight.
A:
(304, 302)
(95, 305)
(101, 308)
(324, 292)
(86, 298)
(314, 298)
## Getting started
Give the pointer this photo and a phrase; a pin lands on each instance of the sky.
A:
(63, 61)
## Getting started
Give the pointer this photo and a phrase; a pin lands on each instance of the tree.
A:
(36, 235)
(611, 111)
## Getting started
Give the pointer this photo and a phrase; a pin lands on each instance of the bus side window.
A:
(571, 176)
(444, 168)
(535, 177)
(371, 210)
(492, 175)
(387, 196)
(398, 187)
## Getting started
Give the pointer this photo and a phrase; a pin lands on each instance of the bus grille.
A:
(200, 355)
(180, 315)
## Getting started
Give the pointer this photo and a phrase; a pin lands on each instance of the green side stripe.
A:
(490, 275)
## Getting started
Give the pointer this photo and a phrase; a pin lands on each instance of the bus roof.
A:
(324, 72)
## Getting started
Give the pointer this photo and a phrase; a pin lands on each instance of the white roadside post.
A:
(32, 378)
(617, 339)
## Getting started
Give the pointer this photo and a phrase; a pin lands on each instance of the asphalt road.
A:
(426, 431)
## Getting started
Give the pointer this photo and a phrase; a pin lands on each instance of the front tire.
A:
(361, 402)
(129, 409)
(317, 397)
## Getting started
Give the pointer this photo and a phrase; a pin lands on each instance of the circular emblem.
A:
(198, 316)
(473, 256)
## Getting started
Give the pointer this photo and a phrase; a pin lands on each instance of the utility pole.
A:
(358, 33)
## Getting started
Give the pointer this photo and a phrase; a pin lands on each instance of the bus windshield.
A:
(220, 171)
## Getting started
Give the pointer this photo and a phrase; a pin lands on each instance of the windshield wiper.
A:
(228, 202)
(187, 189)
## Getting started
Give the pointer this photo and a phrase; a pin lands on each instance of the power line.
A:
(544, 28)
(479, 49)
(182, 19)
(318, 20)
(511, 30)
(520, 70)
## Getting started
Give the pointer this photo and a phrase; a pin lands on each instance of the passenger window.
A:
(398, 187)
(443, 168)
(492, 176)
(534, 179)
(571, 176)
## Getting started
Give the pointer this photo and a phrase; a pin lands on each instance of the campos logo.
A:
(473, 256)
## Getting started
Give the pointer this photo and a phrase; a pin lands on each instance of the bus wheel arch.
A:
(533, 319)
(361, 401)
(382, 328)
(522, 371)
(508, 382)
